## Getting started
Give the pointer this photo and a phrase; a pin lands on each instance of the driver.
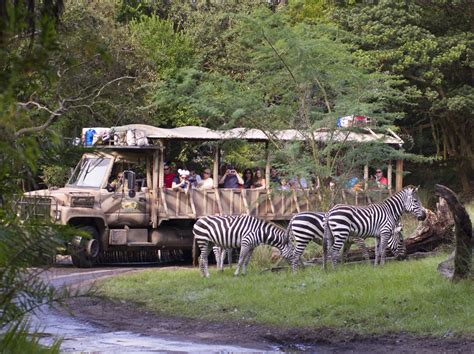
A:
(118, 184)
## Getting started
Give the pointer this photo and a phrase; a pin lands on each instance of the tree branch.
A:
(52, 117)
(63, 107)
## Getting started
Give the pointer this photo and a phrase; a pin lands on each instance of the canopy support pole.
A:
(366, 177)
(267, 165)
(215, 169)
(399, 176)
(389, 176)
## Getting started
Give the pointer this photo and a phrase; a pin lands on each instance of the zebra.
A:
(378, 220)
(309, 226)
(244, 231)
(396, 244)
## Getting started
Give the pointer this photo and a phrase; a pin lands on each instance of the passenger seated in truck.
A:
(194, 178)
(259, 180)
(169, 176)
(206, 182)
(182, 182)
(231, 178)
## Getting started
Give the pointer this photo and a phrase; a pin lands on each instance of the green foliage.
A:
(360, 298)
(274, 74)
(26, 246)
(430, 45)
(309, 10)
(55, 176)
(168, 50)
(18, 339)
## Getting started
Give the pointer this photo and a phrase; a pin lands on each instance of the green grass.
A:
(402, 296)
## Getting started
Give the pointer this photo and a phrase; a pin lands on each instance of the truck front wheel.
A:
(84, 251)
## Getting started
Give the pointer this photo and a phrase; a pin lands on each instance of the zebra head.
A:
(397, 246)
(413, 204)
(287, 250)
(282, 240)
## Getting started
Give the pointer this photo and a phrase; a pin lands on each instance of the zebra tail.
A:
(195, 253)
(326, 236)
(289, 234)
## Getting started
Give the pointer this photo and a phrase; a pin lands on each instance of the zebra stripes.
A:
(243, 231)
(309, 226)
(396, 244)
(378, 220)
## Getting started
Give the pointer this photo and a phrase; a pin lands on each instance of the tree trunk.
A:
(463, 231)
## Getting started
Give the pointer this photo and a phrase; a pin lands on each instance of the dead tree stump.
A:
(463, 232)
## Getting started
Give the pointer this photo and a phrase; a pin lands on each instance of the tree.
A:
(27, 39)
(429, 43)
(275, 74)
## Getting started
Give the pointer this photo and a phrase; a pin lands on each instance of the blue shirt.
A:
(231, 181)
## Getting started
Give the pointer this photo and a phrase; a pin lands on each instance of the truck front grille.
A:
(35, 208)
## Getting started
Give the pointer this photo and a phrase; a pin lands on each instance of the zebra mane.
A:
(276, 225)
(410, 186)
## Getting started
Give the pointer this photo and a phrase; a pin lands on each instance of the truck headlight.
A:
(82, 201)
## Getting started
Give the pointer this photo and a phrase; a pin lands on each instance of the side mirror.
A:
(131, 180)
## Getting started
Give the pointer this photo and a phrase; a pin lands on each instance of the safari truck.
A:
(142, 220)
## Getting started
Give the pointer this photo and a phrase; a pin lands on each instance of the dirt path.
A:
(123, 316)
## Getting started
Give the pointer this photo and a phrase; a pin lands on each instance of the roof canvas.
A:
(202, 133)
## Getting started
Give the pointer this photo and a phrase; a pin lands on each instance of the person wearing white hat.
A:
(181, 182)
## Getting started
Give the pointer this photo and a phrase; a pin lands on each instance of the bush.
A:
(55, 176)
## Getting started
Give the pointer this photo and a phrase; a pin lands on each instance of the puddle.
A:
(80, 337)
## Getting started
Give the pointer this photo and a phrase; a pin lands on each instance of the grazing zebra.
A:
(309, 226)
(243, 231)
(396, 244)
(378, 220)
(220, 254)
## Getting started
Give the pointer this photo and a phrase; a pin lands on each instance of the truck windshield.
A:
(90, 172)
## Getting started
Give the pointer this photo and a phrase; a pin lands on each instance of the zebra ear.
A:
(398, 229)
(416, 188)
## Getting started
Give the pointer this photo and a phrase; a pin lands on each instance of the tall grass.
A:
(18, 339)
(402, 296)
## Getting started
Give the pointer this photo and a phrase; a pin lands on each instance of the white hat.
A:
(183, 173)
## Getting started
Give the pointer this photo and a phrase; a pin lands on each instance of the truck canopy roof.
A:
(361, 135)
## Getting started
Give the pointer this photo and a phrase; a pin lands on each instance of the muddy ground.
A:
(123, 316)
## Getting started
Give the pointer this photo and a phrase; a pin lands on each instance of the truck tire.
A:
(84, 252)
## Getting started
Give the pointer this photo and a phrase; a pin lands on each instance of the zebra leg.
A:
(229, 258)
(298, 251)
(359, 241)
(246, 262)
(218, 254)
(242, 257)
(203, 260)
(345, 249)
(222, 253)
(377, 251)
(336, 246)
(384, 237)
